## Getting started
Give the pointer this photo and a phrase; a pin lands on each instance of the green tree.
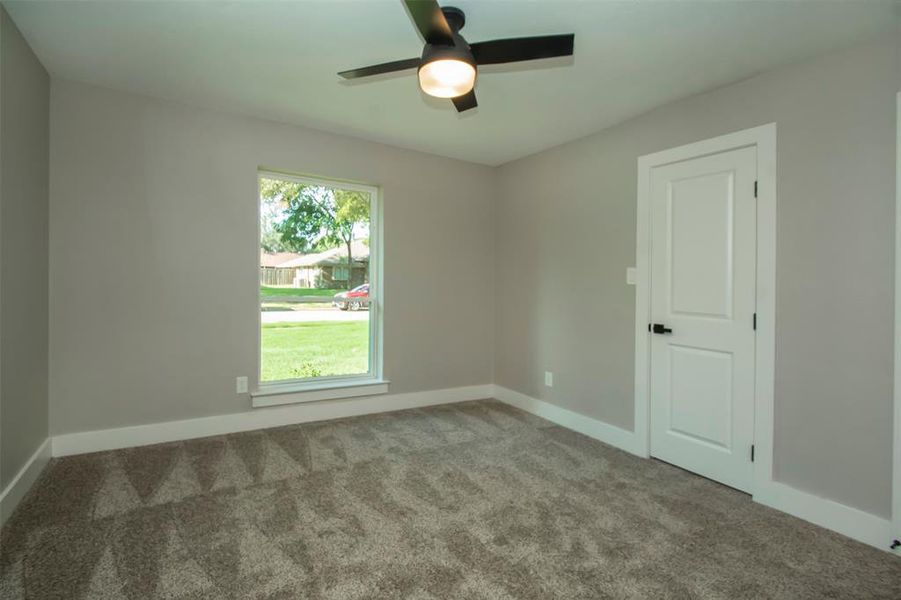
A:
(271, 240)
(317, 217)
(271, 213)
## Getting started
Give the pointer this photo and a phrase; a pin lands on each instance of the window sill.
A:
(294, 393)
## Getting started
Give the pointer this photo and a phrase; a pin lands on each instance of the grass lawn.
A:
(267, 291)
(316, 349)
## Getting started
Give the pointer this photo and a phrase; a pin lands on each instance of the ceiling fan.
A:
(448, 65)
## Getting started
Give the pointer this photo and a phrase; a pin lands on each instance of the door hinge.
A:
(752, 452)
(755, 189)
(755, 321)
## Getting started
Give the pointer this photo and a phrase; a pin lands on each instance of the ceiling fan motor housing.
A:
(455, 17)
(459, 51)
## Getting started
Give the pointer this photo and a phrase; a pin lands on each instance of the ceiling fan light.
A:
(447, 77)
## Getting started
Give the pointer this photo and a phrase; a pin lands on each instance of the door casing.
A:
(896, 434)
(764, 138)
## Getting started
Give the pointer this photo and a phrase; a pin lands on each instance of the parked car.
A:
(346, 300)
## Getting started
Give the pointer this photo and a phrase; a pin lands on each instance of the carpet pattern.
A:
(467, 501)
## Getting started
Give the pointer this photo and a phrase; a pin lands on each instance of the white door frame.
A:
(896, 460)
(764, 137)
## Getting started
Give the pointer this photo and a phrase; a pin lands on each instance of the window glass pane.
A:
(314, 280)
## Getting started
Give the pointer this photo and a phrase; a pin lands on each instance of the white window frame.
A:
(338, 386)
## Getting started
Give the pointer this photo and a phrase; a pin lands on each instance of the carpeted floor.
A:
(465, 501)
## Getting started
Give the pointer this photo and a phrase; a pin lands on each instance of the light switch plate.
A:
(548, 379)
(241, 385)
(630, 275)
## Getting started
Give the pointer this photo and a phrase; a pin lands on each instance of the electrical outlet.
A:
(241, 385)
(548, 379)
(630, 275)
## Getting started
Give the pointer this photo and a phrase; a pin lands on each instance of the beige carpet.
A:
(465, 501)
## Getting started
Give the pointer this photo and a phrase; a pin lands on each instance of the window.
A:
(340, 274)
(320, 312)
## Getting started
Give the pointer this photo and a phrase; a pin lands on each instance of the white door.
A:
(703, 290)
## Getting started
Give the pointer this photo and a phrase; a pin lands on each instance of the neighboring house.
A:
(328, 269)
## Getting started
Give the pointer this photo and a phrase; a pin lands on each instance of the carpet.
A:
(476, 500)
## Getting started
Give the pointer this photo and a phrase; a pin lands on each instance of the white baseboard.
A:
(604, 432)
(24, 479)
(258, 418)
(851, 522)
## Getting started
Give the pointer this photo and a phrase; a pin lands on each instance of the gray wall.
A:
(154, 254)
(566, 233)
(24, 173)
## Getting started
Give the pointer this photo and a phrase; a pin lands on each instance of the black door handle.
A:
(661, 329)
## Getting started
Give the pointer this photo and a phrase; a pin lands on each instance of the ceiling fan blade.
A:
(495, 52)
(466, 101)
(430, 22)
(388, 67)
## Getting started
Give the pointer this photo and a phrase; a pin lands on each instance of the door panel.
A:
(701, 394)
(701, 216)
(703, 248)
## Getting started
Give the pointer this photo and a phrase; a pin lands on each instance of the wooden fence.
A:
(276, 276)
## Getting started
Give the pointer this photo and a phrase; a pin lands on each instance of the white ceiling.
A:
(279, 60)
